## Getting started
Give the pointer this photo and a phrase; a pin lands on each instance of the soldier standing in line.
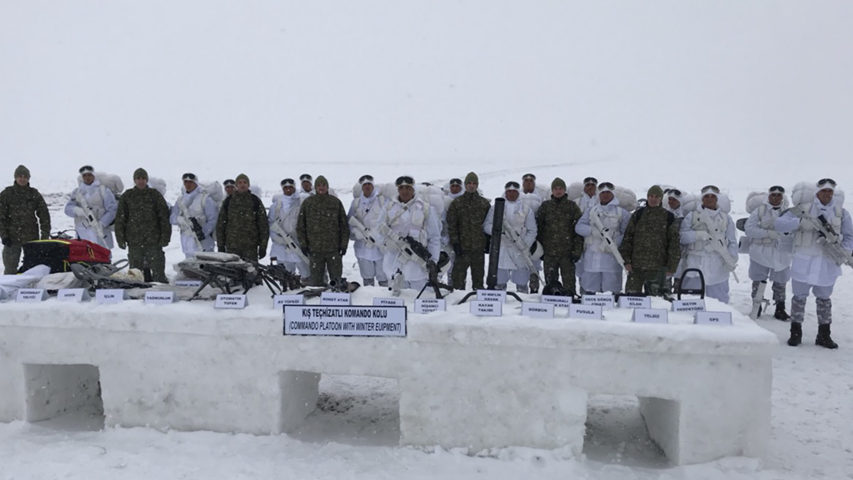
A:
(23, 213)
(93, 207)
(369, 210)
(230, 187)
(650, 248)
(142, 226)
(323, 232)
(602, 227)
(195, 213)
(465, 219)
(556, 221)
(283, 216)
(242, 227)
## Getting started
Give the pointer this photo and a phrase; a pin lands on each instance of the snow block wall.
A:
(464, 381)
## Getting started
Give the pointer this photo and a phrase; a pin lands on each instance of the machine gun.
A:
(831, 243)
(100, 276)
(289, 243)
(284, 278)
(228, 278)
(411, 250)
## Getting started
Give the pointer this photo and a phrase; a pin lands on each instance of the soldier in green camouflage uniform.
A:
(242, 227)
(465, 218)
(323, 232)
(650, 247)
(556, 220)
(22, 214)
(142, 226)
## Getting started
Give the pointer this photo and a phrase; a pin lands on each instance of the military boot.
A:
(368, 282)
(796, 334)
(534, 283)
(383, 283)
(521, 289)
(823, 339)
(781, 314)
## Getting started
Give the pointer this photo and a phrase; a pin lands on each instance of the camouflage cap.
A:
(321, 180)
(472, 178)
(140, 173)
(655, 191)
(22, 171)
(558, 182)
(245, 177)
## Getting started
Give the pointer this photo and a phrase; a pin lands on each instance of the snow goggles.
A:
(404, 181)
(229, 183)
(86, 169)
(288, 182)
(305, 178)
(456, 181)
(824, 181)
(591, 180)
(776, 189)
(673, 192)
(189, 176)
(366, 179)
(529, 176)
(710, 189)
(512, 186)
(605, 187)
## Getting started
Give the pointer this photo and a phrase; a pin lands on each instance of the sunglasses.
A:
(712, 188)
(366, 178)
(511, 186)
(606, 185)
(189, 176)
(455, 181)
(592, 180)
(288, 182)
(86, 169)
(824, 181)
(777, 189)
(404, 181)
(305, 177)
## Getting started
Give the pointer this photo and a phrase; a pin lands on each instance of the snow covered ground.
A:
(740, 94)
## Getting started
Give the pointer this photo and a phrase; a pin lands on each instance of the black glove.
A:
(306, 251)
(574, 258)
(457, 249)
(199, 233)
(121, 245)
(7, 242)
(488, 244)
(342, 251)
(262, 252)
(223, 248)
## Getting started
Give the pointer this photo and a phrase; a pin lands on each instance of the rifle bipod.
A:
(436, 286)
(474, 292)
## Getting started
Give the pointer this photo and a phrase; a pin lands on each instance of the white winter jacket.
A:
(370, 211)
(768, 248)
(518, 217)
(104, 206)
(284, 213)
(585, 201)
(417, 219)
(596, 256)
(196, 204)
(700, 253)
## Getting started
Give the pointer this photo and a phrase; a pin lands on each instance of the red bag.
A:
(59, 254)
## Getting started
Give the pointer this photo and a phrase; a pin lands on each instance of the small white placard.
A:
(31, 295)
(429, 305)
(73, 295)
(231, 301)
(713, 318)
(279, 301)
(590, 312)
(389, 302)
(361, 321)
(694, 305)
(188, 283)
(491, 296)
(537, 310)
(486, 309)
(109, 296)
(557, 300)
(159, 298)
(635, 302)
(335, 298)
(650, 315)
(605, 301)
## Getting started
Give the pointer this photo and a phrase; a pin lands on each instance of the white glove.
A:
(772, 234)
(702, 235)
(79, 212)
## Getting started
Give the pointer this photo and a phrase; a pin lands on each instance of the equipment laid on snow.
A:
(60, 254)
(690, 291)
(98, 276)
(411, 250)
(339, 286)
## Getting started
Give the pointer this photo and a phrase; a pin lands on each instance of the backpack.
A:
(59, 254)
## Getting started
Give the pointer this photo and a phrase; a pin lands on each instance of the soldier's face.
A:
(189, 186)
(242, 185)
(511, 195)
(709, 202)
(558, 192)
(589, 189)
(140, 182)
(288, 190)
(322, 188)
(306, 185)
(528, 184)
(88, 178)
(471, 187)
(653, 201)
(229, 190)
(605, 197)
(367, 189)
(825, 196)
(673, 203)
(406, 192)
(22, 180)
(775, 199)
(455, 188)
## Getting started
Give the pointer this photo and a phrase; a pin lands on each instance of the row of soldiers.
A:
(593, 236)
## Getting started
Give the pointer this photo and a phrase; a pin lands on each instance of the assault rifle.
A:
(362, 233)
(90, 220)
(411, 250)
(831, 243)
(608, 240)
(289, 243)
(196, 227)
(517, 243)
